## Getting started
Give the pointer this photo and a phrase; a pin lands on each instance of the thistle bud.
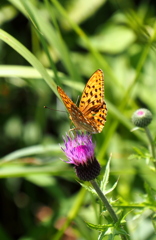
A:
(142, 117)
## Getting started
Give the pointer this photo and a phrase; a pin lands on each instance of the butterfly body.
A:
(91, 114)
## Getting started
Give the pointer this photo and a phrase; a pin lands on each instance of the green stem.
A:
(107, 205)
(105, 201)
(152, 145)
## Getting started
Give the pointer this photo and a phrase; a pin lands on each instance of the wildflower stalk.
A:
(107, 205)
(142, 118)
(152, 145)
(105, 201)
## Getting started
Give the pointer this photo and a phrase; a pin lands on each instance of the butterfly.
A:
(91, 114)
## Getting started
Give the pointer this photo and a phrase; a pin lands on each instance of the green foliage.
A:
(49, 43)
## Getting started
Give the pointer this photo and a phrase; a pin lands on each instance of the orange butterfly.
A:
(91, 114)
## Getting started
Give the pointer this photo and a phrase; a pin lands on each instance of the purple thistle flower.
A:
(80, 152)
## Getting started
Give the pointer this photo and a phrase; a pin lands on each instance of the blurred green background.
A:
(49, 43)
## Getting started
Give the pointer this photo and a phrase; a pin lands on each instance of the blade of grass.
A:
(29, 151)
(27, 7)
(23, 171)
(29, 73)
(51, 34)
(25, 53)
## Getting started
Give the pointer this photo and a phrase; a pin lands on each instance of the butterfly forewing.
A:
(93, 93)
(67, 101)
(92, 111)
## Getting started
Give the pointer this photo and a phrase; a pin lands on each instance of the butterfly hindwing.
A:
(80, 121)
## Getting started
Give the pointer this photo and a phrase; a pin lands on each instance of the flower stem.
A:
(105, 201)
(107, 205)
(152, 145)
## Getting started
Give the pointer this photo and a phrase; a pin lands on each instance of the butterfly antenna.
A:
(54, 109)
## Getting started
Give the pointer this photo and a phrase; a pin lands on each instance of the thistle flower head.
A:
(80, 152)
(142, 117)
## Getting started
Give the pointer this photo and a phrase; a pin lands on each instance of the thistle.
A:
(80, 153)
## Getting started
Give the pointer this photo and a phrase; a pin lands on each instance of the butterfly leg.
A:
(75, 131)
